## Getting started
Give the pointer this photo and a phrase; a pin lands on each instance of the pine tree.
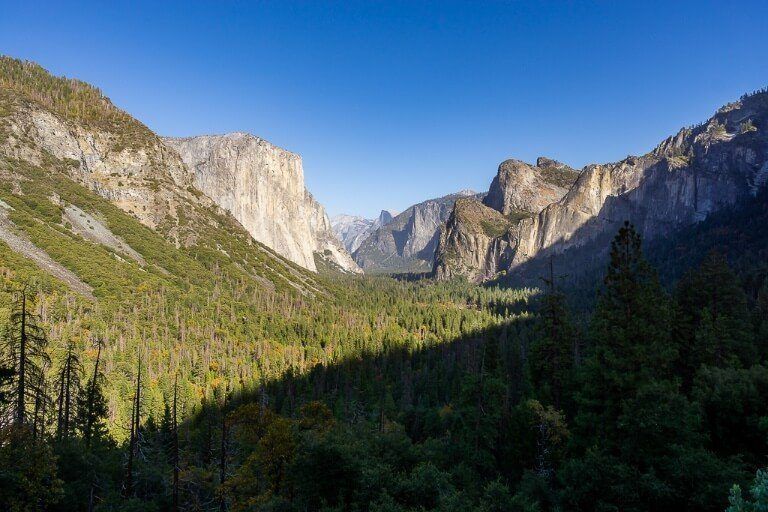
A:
(552, 354)
(629, 336)
(133, 441)
(69, 392)
(223, 453)
(715, 323)
(758, 492)
(25, 348)
(639, 437)
(175, 446)
(92, 410)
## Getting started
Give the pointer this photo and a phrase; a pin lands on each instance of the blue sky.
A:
(391, 103)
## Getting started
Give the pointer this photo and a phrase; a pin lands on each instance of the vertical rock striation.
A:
(478, 240)
(690, 175)
(262, 186)
(519, 187)
(698, 171)
(475, 242)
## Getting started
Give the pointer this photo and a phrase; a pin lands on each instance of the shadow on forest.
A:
(402, 380)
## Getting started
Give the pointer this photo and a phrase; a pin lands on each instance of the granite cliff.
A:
(474, 243)
(478, 239)
(521, 188)
(65, 148)
(262, 186)
(700, 170)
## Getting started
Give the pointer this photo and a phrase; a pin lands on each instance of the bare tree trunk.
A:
(67, 394)
(22, 361)
(175, 447)
(223, 460)
(90, 499)
(91, 398)
(135, 422)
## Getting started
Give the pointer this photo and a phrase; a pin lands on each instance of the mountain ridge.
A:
(687, 176)
(352, 230)
(408, 242)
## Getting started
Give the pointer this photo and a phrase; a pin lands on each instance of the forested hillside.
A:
(428, 397)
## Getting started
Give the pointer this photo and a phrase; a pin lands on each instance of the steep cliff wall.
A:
(262, 186)
(352, 230)
(521, 187)
(56, 133)
(688, 176)
(475, 242)
(701, 170)
(143, 177)
(478, 240)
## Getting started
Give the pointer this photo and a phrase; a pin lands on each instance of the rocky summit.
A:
(74, 133)
(474, 243)
(521, 188)
(478, 239)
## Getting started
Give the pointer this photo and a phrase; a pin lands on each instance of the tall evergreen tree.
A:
(639, 438)
(92, 410)
(25, 349)
(552, 355)
(630, 344)
(715, 323)
(133, 441)
(68, 384)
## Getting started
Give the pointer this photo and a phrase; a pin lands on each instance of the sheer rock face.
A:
(408, 242)
(685, 178)
(478, 241)
(327, 246)
(352, 230)
(262, 186)
(521, 187)
(475, 242)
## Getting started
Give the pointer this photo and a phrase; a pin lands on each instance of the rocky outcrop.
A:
(15, 239)
(408, 242)
(478, 241)
(327, 246)
(54, 129)
(475, 242)
(262, 186)
(520, 187)
(352, 230)
(147, 180)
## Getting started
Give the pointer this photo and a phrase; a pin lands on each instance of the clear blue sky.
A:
(390, 103)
